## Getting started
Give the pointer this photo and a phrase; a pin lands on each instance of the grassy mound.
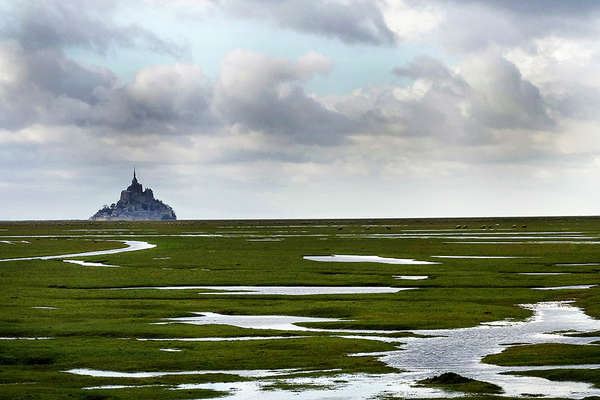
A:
(458, 383)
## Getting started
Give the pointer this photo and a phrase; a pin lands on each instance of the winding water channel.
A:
(132, 245)
(443, 350)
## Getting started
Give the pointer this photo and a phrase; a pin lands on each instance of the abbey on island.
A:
(135, 204)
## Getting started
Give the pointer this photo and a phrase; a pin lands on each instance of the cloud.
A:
(465, 26)
(540, 7)
(253, 92)
(473, 26)
(45, 86)
(352, 21)
(265, 94)
(502, 98)
(162, 99)
(483, 102)
(87, 24)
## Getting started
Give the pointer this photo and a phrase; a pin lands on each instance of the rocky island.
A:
(135, 204)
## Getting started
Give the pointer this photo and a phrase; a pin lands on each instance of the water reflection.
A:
(461, 350)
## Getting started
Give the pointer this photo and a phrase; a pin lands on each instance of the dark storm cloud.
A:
(356, 21)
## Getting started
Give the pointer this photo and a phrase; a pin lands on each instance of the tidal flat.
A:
(473, 291)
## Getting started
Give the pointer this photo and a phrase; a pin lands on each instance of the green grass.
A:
(457, 383)
(546, 354)
(94, 327)
(123, 355)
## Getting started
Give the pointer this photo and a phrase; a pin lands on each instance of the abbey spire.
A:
(135, 185)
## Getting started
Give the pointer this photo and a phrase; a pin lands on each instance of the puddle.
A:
(492, 257)
(265, 240)
(132, 245)
(24, 338)
(451, 232)
(90, 264)
(479, 236)
(385, 339)
(565, 287)
(219, 339)
(464, 236)
(171, 350)
(576, 264)
(372, 259)
(111, 235)
(161, 258)
(277, 290)
(347, 387)
(115, 374)
(530, 242)
(278, 322)
(275, 322)
(108, 387)
(98, 230)
(44, 308)
(411, 277)
(544, 273)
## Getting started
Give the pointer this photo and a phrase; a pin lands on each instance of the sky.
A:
(301, 109)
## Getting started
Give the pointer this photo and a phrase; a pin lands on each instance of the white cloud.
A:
(411, 21)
